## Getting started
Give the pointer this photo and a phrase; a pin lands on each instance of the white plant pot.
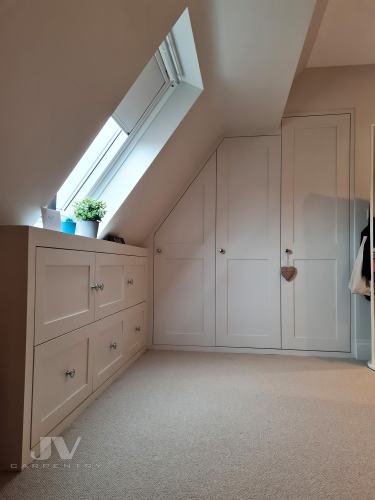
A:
(87, 228)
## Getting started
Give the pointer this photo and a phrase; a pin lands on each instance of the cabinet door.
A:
(184, 267)
(110, 275)
(135, 280)
(62, 379)
(135, 329)
(315, 227)
(248, 243)
(108, 347)
(64, 300)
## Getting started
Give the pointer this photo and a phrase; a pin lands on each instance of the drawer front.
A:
(135, 329)
(62, 379)
(135, 280)
(108, 348)
(64, 300)
(110, 273)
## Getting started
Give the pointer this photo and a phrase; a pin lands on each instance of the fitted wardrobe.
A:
(261, 204)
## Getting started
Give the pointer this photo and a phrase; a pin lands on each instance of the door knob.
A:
(101, 286)
(95, 286)
(130, 281)
(113, 345)
(70, 373)
(137, 328)
(222, 251)
(158, 250)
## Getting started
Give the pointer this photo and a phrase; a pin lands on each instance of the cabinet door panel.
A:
(135, 329)
(248, 242)
(110, 272)
(315, 227)
(64, 299)
(184, 267)
(62, 379)
(135, 280)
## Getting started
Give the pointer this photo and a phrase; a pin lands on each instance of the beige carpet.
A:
(219, 426)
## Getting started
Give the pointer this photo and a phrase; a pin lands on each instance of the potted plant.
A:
(89, 213)
(68, 225)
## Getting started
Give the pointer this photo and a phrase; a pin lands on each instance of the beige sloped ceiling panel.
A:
(65, 66)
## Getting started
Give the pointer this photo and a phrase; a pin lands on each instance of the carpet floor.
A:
(183, 425)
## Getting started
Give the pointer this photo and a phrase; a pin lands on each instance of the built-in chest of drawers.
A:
(73, 316)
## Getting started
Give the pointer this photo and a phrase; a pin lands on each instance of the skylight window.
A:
(140, 126)
(93, 163)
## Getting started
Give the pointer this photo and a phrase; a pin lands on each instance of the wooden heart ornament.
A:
(289, 272)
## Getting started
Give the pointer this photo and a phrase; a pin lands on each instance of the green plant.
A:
(89, 209)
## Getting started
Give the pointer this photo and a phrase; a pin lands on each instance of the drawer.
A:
(62, 379)
(64, 300)
(108, 348)
(135, 280)
(110, 273)
(135, 329)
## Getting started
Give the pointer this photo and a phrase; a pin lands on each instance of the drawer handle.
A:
(130, 281)
(113, 345)
(101, 286)
(137, 328)
(70, 373)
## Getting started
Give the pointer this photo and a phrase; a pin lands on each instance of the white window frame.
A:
(170, 69)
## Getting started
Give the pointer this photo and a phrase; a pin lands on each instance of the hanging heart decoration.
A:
(289, 272)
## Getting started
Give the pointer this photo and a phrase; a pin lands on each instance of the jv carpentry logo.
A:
(41, 457)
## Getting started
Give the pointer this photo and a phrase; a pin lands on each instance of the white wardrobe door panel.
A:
(248, 230)
(184, 271)
(315, 226)
(64, 299)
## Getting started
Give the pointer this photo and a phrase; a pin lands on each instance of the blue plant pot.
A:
(68, 227)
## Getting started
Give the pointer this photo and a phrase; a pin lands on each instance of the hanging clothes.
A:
(367, 251)
(358, 283)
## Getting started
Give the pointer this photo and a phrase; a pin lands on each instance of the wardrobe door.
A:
(248, 242)
(315, 227)
(184, 267)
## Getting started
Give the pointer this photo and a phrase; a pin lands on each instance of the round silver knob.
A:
(70, 373)
(158, 250)
(95, 286)
(101, 286)
(130, 281)
(113, 345)
(222, 251)
(137, 328)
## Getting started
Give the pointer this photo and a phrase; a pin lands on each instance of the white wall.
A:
(328, 89)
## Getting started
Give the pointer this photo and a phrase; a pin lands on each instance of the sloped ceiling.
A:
(67, 64)
(346, 35)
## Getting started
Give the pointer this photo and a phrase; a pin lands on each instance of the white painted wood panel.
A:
(108, 347)
(110, 274)
(135, 280)
(315, 226)
(135, 329)
(62, 379)
(184, 270)
(248, 235)
(64, 299)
